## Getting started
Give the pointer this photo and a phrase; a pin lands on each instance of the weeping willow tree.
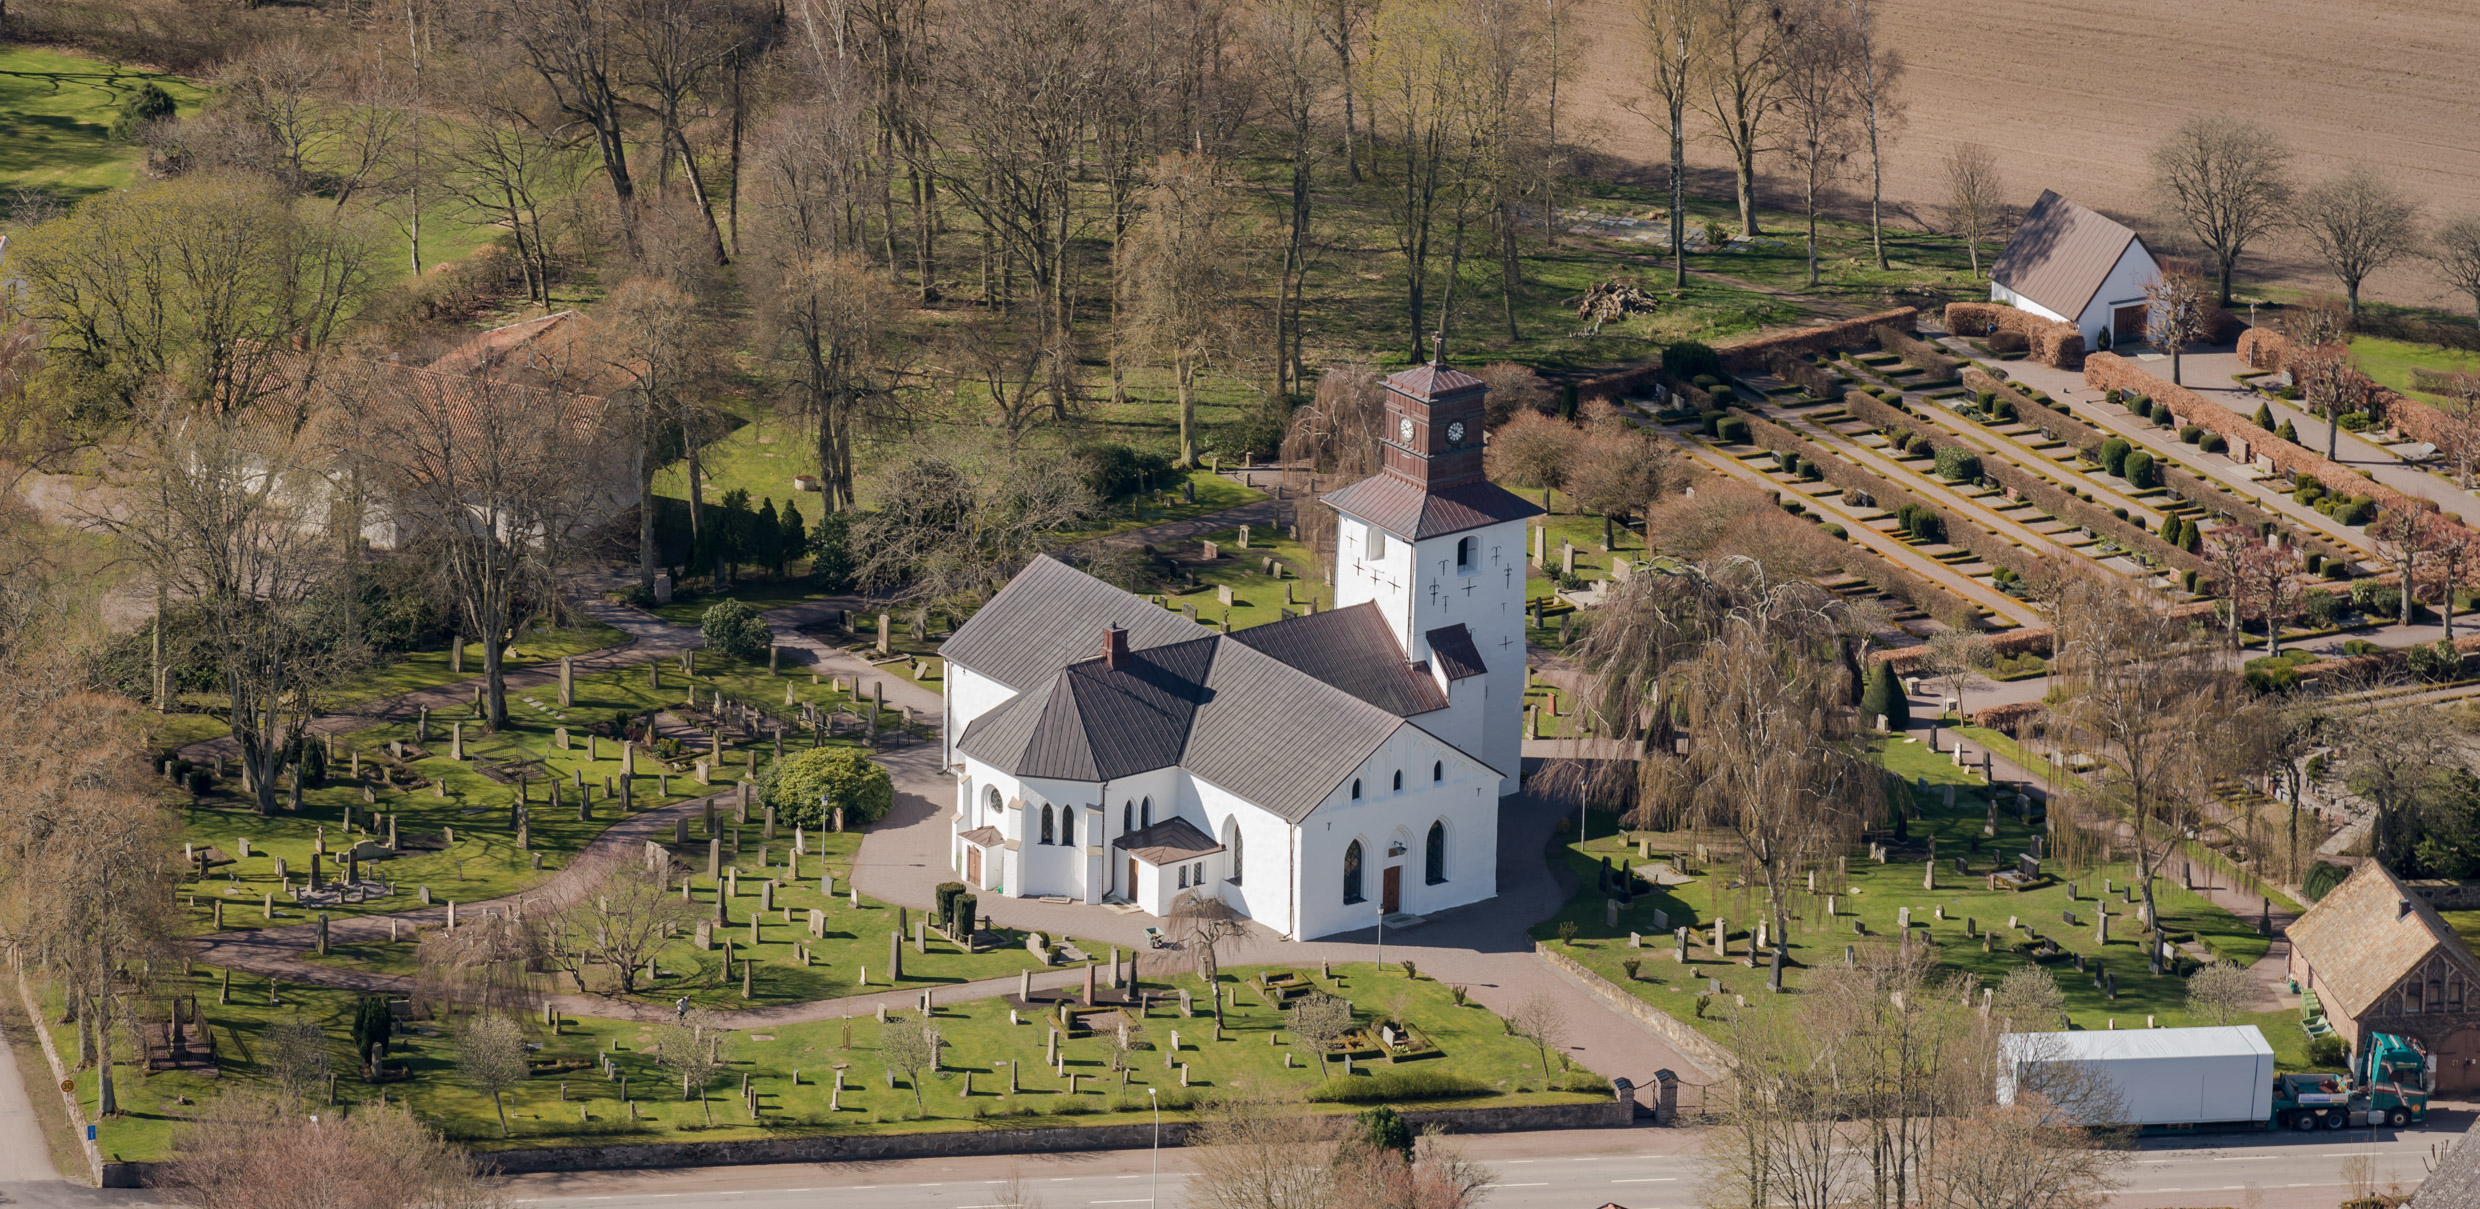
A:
(1753, 669)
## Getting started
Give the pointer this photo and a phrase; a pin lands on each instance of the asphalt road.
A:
(1635, 1168)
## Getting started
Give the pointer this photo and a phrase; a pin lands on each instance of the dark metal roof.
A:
(1433, 381)
(1052, 615)
(2060, 254)
(1280, 727)
(1094, 722)
(1453, 648)
(1277, 736)
(1167, 842)
(1403, 508)
(1352, 649)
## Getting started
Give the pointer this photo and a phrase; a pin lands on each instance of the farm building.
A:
(2376, 958)
(2073, 265)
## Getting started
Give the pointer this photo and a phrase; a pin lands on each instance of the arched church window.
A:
(1231, 842)
(1399, 780)
(1067, 824)
(1437, 771)
(1145, 813)
(1127, 817)
(1046, 824)
(1352, 873)
(1356, 789)
(1435, 858)
(1463, 553)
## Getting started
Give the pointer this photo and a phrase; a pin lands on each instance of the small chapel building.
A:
(1315, 773)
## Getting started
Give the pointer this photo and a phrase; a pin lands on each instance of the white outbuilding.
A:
(2074, 265)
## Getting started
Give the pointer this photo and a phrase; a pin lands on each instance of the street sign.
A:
(90, 1133)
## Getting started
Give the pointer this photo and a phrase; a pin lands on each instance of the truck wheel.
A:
(2398, 1118)
(2301, 1120)
(2334, 1118)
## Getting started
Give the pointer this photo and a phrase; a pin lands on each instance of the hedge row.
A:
(1892, 496)
(1917, 353)
(1801, 372)
(2440, 383)
(2084, 438)
(2052, 342)
(2108, 371)
(2264, 348)
(1748, 356)
(2045, 495)
(1907, 660)
(1863, 563)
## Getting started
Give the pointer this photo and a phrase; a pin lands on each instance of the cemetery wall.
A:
(979, 1141)
(1711, 1060)
(2053, 343)
(1749, 355)
(100, 1171)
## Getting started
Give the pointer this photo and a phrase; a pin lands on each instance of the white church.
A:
(1316, 773)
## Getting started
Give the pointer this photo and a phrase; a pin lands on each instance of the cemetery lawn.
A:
(1256, 597)
(1472, 1043)
(2391, 362)
(411, 672)
(56, 118)
(1873, 897)
(855, 937)
(689, 609)
(1214, 494)
(484, 862)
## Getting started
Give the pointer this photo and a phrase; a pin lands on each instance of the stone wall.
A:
(1711, 1060)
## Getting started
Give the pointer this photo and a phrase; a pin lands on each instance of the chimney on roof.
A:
(2402, 907)
(1115, 647)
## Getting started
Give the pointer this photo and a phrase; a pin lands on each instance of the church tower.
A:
(1439, 549)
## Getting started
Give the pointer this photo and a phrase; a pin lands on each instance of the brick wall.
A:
(1747, 356)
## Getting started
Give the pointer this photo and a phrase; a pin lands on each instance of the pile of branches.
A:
(1611, 300)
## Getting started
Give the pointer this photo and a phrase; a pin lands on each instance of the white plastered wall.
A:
(2123, 287)
(1466, 801)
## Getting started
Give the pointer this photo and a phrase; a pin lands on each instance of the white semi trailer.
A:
(2169, 1078)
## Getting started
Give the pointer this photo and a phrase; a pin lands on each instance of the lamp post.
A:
(1154, 1181)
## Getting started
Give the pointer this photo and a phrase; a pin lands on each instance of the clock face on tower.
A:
(1455, 433)
(1403, 430)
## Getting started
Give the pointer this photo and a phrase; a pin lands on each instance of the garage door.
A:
(2458, 1061)
(2127, 323)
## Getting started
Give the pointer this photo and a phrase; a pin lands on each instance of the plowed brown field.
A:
(2072, 95)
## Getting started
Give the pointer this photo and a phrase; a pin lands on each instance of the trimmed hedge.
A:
(2051, 342)
(1392, 1085)
(1917, 353)
(1749, 355)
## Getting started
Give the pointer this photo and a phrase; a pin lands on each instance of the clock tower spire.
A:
(1434, 424)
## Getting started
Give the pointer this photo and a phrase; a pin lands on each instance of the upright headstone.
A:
(568, 682)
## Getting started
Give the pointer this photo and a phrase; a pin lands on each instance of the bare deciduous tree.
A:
(1320, 1020)
(619, 920)
(2221, 991)
(2455, 250)
(247, 1152)
(911, 1049)
(1184, 307)
(1880, 70)
(1823, 68)
(2401, 540)
(1975, 196)
(692, 1047)
(2177, 315)
(1538, 1018)
(1254, 1151)
(2027, 1155)
(2146, 701)
(1747, 43)
(2225, 179)
(1675, 33)
(2358, 222)
(490, 1055)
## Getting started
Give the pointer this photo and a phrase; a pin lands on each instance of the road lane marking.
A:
(1534, 1184)
(1139, 1201)
(1667, 1179)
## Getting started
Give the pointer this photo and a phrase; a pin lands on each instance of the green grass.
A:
(56, 117)
(2391, 361)
(484, 862)
(547, 1110)
(1873, 895)
(409, 672)
(1257, 598)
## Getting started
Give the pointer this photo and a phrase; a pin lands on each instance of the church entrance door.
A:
(973, 866)
(2458, 1061)
(1391, 900)
(1132, 879)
